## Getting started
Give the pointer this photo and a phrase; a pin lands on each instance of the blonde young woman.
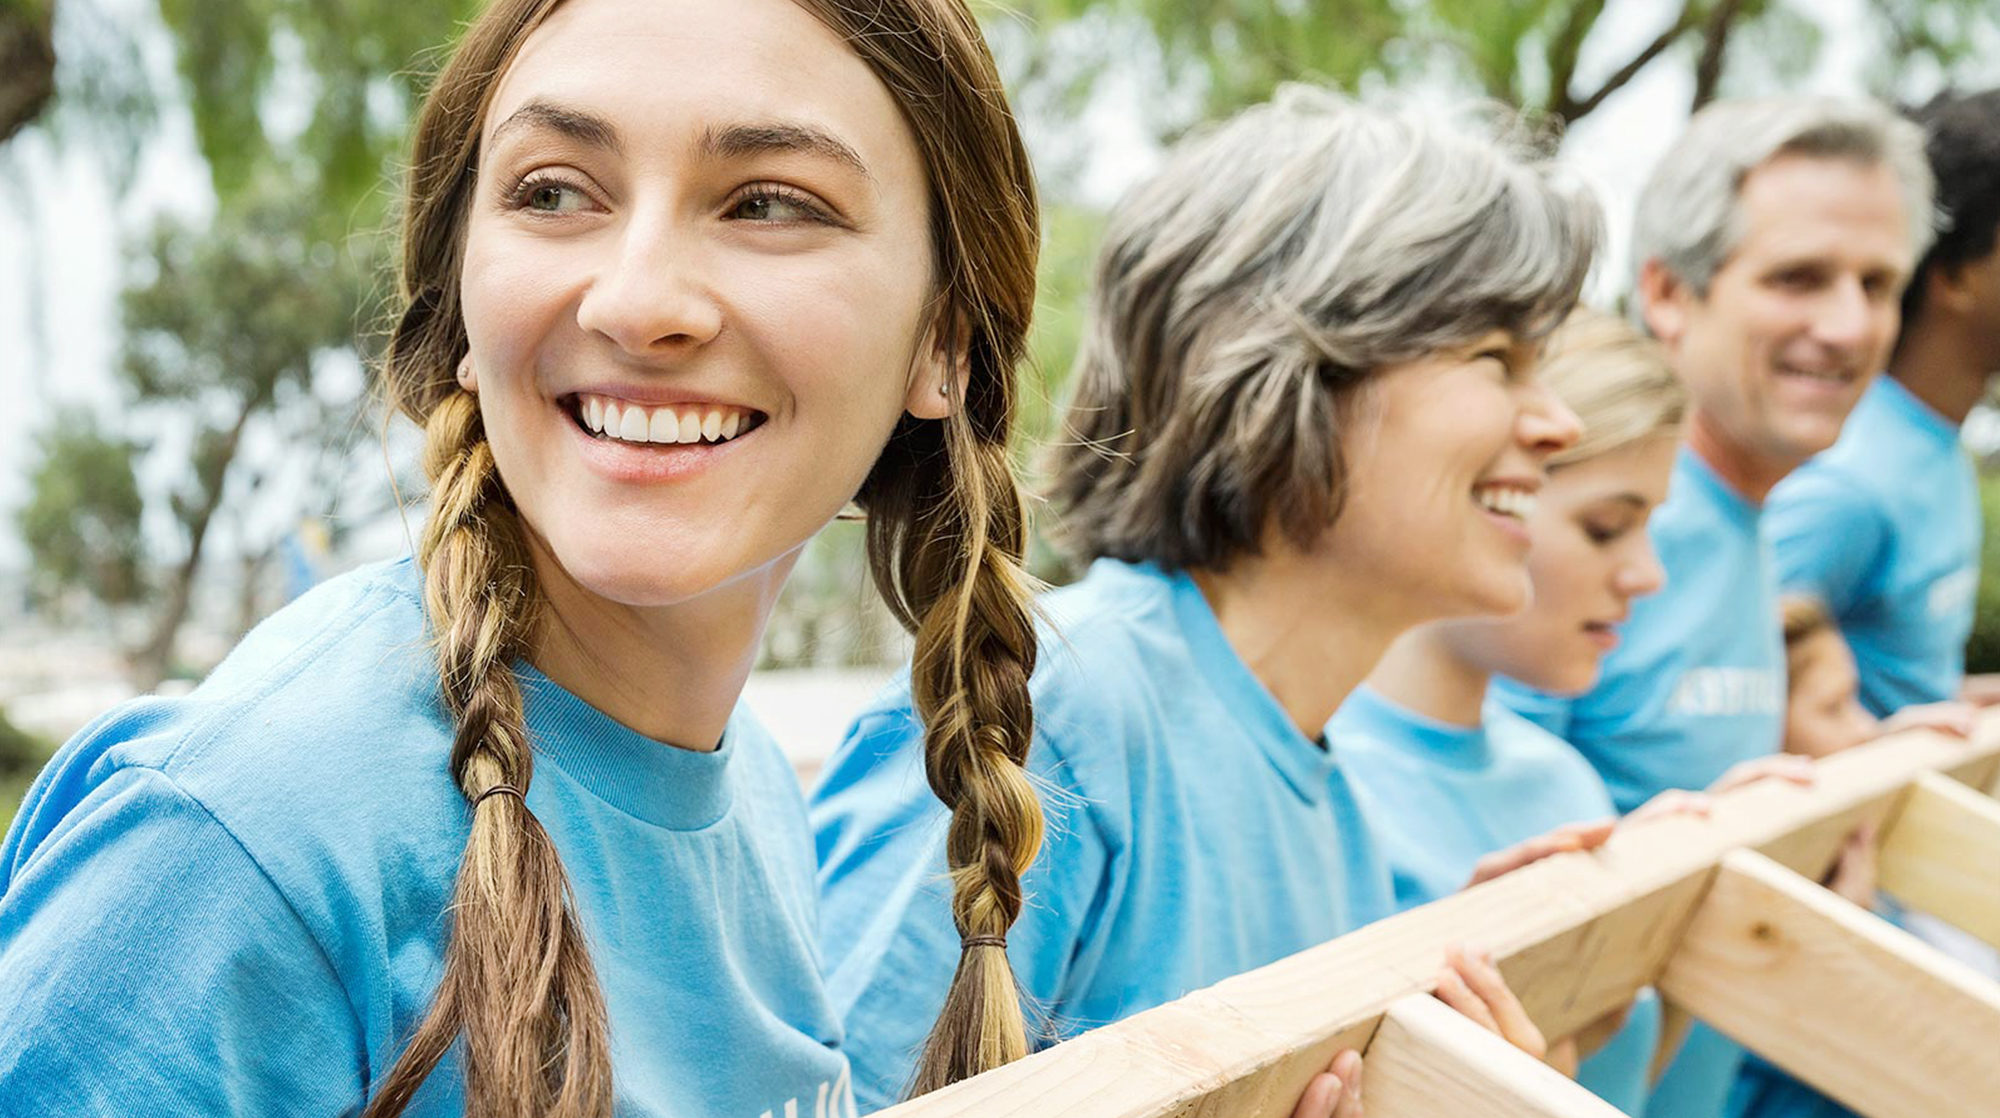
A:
(680, 279)
(1303, 416)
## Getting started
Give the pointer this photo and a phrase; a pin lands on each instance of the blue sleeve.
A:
(1829, 536)
(147, 966)
(885, 900)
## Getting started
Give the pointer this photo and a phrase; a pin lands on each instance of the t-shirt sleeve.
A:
(1829, 537)
(885, 899)
(148, 966)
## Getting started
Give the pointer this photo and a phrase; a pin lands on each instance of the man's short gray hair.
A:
(1690, 213)
(1273, 266)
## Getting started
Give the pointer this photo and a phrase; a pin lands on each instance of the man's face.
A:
(1802, 314)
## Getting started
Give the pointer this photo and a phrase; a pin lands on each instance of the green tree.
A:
(226, 330)
(82, 523)
(1526, 53)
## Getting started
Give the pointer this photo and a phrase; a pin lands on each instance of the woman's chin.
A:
(1566, 679)
(1498, 597)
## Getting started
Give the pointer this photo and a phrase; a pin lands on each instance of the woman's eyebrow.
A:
(577, 124)
(737, 140)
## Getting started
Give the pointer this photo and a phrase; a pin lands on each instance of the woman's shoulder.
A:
(1105, 644)
(340, 685)
(318, 747)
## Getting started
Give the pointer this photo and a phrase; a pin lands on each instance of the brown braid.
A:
(518, 982)
(975, 649)
(945, 519)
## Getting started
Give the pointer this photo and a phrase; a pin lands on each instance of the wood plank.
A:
(1429, 1061)
(1942, 856)
(1859, 1009)
(1576, 935)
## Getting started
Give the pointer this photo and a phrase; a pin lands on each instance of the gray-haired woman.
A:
(1305, 419)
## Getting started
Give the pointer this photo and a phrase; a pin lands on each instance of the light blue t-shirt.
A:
(234, 902)
(1695, 686)
(1441, 796)
(1193, 833)
(1884, 528)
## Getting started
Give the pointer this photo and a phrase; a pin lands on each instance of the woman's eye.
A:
(775, 206)
(1603, 533)
(548, 196)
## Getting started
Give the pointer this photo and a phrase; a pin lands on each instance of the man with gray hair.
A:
(1773, 243)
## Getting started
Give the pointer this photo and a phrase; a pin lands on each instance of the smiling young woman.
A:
(680, 279)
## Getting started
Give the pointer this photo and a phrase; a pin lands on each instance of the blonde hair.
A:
(1617, 381)
(945, 542)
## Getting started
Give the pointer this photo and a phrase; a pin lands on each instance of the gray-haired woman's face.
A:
(1443, 470)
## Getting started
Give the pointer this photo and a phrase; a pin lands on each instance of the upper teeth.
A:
(1507, 501)
(629, 422)
(1831, 376)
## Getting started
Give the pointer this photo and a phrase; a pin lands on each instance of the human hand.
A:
(1566, 839)
(1335, 1092)
(1954, 718)
(1673, 801)
(1853, 873)
(1789, 767)
(1472, 984)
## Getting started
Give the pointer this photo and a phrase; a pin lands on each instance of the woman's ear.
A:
(467, 378)
(940, 375)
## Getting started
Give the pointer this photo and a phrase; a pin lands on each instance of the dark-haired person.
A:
(1884, 528)
(1305, 418)
(1773, 241)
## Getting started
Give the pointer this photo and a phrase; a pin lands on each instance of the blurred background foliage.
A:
(245, 335)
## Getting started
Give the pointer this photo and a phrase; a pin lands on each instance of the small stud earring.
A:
(465, 373)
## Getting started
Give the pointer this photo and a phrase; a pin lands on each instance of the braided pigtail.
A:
(975, 649)
(518, 983)
(946, 526)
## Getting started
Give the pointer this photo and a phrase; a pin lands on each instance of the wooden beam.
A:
(1428, 1061)
(1942, 856)
(1859, 1009)
(1576, 935)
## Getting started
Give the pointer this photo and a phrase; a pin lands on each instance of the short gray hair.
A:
(1690, 213)
(1271, 268)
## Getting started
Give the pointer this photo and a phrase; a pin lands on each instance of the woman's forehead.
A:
(675, 73)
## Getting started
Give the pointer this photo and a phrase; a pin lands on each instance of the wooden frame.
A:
(1578, 935)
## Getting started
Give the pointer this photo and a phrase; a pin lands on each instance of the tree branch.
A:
(1715, 41)
(1570, 109)
(1567, 44)
(28, 63)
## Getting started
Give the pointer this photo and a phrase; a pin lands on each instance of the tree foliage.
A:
(82, 524)
(227, 328)
(1528, 53)
(324, 90)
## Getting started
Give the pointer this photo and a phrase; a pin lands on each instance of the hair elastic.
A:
(501, 790)
(970, 942)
